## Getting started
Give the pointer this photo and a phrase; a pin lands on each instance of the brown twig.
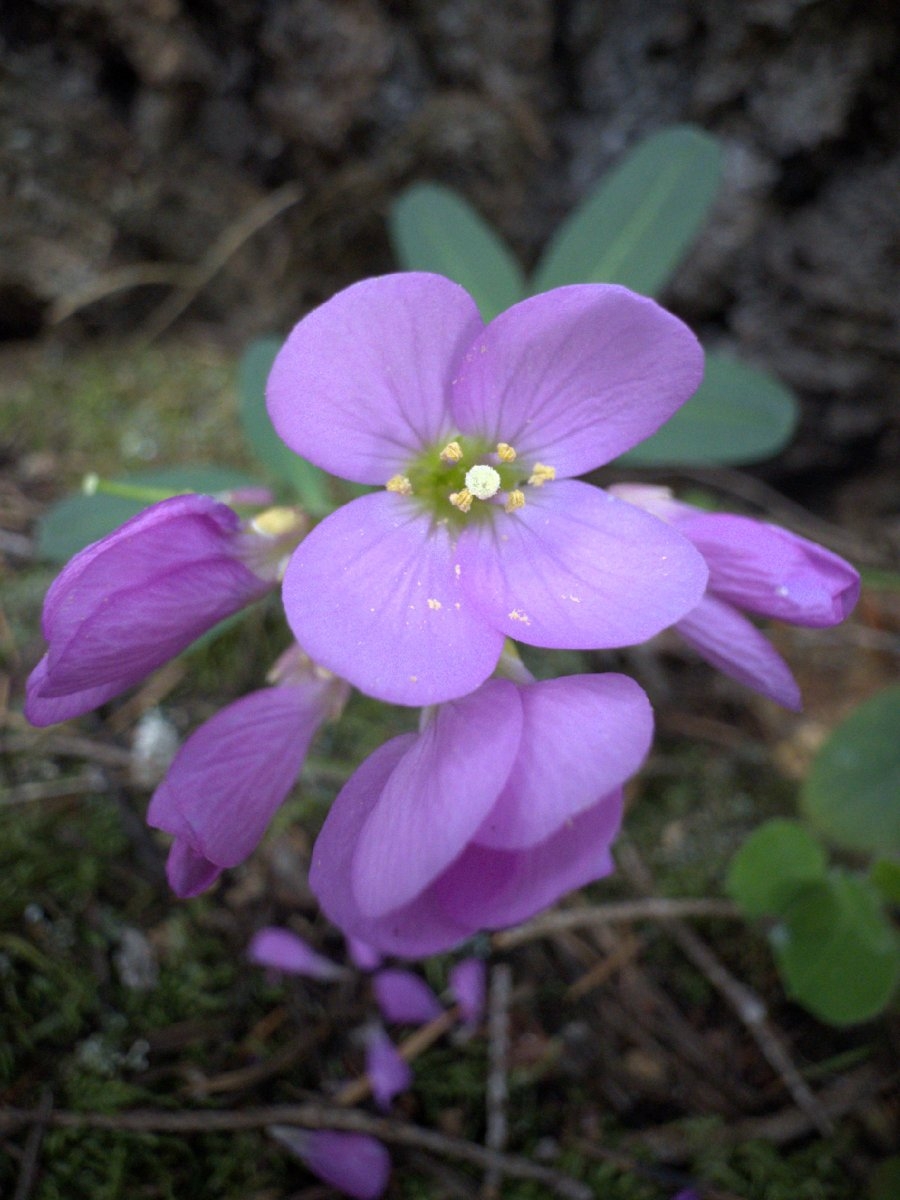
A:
(306, 1116)
(649, 909)
(31, 1154)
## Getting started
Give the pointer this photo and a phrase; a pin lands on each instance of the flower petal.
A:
(374, 595)
(405, 998)
(437, 797)
(354, 1163)
(413, 932)
(576, 376)
(771, 571)
(492, 889)
(283, 950)
(582, 737)
(235, 770)
(389, 1073)
(363, 382)
(468, 984)
(188, 872)
(730, 642)
(577, 569)
(49, 710)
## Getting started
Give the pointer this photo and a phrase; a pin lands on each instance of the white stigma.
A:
(483, 482)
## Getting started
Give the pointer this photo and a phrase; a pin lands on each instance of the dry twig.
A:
(496, 1089)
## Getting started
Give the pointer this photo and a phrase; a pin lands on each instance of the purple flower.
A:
(363, 956)
(507, 799)
(473, 433)
(758, 568)
(354, 1163)
(405, 998)
(388, 1071)
(282, 950)
(468, 983)
(128, 603)
(231, 775)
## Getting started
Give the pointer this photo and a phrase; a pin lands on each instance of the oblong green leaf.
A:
(852, 792)
(836, 951)
(738, 415)
(636, 226)
(78, 520)
(309, 482)
(775, 861)
(433, 229)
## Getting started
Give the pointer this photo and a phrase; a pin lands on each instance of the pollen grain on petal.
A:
(451, 453)
(399, 484)
(515, 499)
(518, 615)
(541, 474)
(434, 605)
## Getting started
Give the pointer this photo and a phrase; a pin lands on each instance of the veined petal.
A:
(374, 594)
(436, 798)
(421, 927)
(233, 772)
(582, 737)
(49, 710)
(771, 571)
(363, 382)
(730, 642)
(576, 376)
(492, 889)
(577, 569)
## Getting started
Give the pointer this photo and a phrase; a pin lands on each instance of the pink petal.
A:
(362, 383)
(373, 594)
(48, 710)
(577, 569)
(576, 376)
(354, 1163)
(468, 983)
(437, 797)
(282, 950)
(582, 737)
(363, 956)
(730, 642)
(389, 1073)
(188, 872)
(405, 998)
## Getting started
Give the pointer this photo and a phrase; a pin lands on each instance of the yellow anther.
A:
(462, 500)
(505, 452)
(399, 484)
(541, 474)
(514, 500)
(451, 453)
(278, 521)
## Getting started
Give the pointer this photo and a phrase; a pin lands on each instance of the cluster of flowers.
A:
(477, 536)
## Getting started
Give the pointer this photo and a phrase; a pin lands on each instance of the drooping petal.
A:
(405, 998)
(363, 382)
(49, 710)
(188, 872)
(235, 770)
(373, 594)
(577, 569)
(727, 640)
(437, 797)
(354, 1163)
(468, 984)
(283, 950)
(582, 737)
(389, 1073)
(574, 377)
(492, 889)
(771, 571)
(420, 928)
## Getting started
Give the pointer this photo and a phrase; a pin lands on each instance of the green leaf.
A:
(635, 228)
(885, 876)
(78, 520)
(852, 791)
(885, 1181)
(774, 862)
(434, 229)
(309, 482)
(836, 952)
(737, 415)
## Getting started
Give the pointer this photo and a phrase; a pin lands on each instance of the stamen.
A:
(541, 474)
(399, 484)
(275, 522)
(505, 452)
(483, 481)
(462, 500)
(514, 500)
(451, 453)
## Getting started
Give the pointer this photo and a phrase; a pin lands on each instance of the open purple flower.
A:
(232, 774)
(473, 434)
(128, 603)
(757, 568)
(507, 799)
